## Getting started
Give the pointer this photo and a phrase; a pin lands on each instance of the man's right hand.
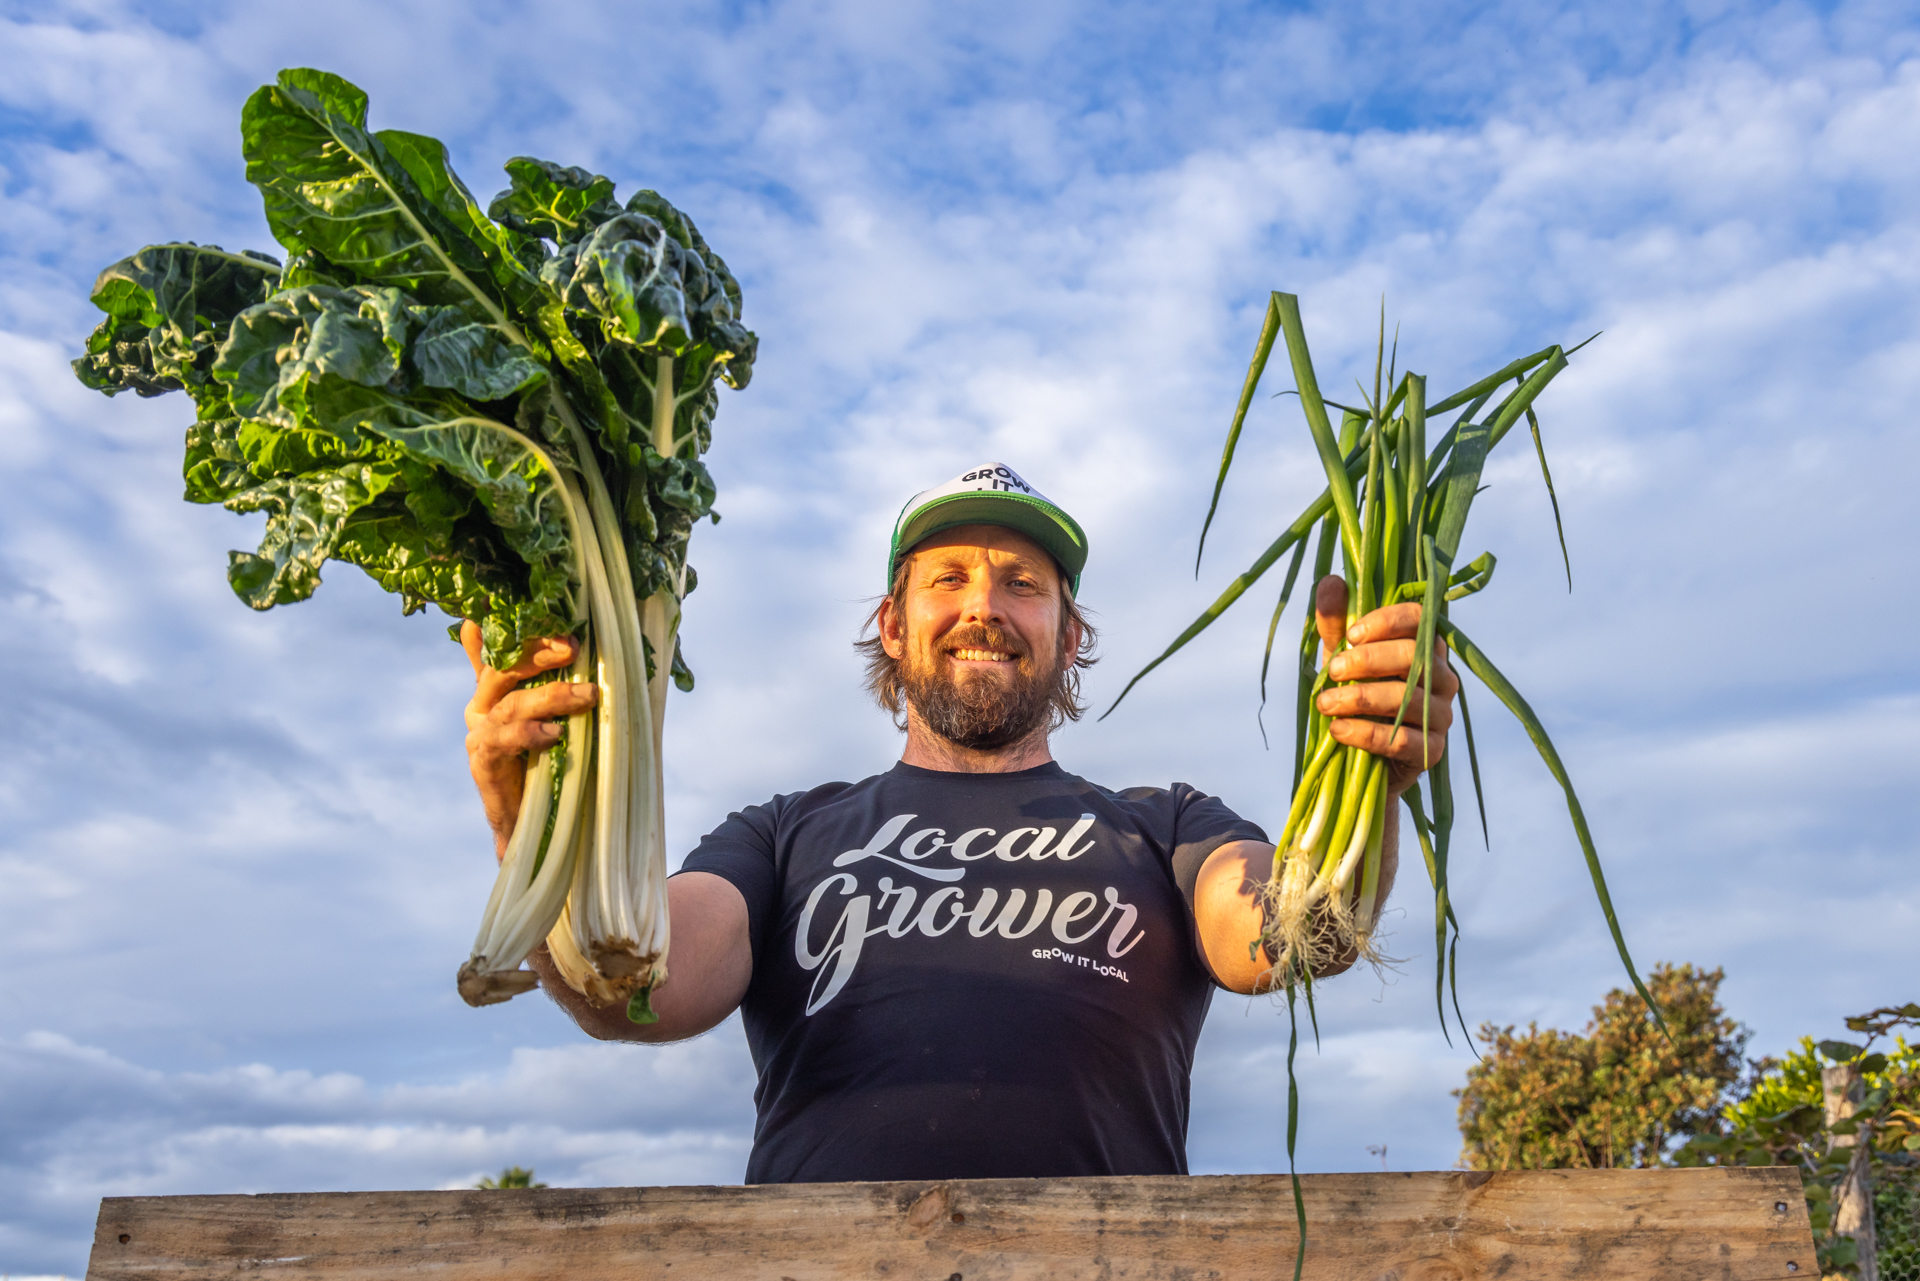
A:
(505, 722)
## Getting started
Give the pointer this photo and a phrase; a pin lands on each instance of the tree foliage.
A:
(512, 1177)
(1621, 1094)
(1618, 1094)
(1781, 1120)
(1782, 1085)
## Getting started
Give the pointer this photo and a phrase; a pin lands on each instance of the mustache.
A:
(982, 636)
(972, 710)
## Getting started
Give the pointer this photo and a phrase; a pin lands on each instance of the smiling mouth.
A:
(982, 655)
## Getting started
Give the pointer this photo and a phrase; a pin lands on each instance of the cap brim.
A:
(1039, 520)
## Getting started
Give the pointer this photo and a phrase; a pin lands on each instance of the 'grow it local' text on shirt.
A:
(971, 975)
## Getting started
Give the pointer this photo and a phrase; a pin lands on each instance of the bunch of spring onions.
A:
(1395, 507)
(498, 412)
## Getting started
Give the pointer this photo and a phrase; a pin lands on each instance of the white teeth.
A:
(982, 656)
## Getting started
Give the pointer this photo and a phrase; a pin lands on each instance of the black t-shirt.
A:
(971, 975)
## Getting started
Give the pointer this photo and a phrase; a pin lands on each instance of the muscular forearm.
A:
(1226, 907)
(601, 1022)
(710, 964)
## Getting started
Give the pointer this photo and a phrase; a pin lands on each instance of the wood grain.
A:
(1534, 1225)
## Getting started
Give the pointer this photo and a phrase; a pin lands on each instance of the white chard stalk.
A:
(599, 900)
(597, 833)
(612, 940)
(539, 868)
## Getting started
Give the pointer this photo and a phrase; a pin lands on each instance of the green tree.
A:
(1620, 1093)
(1781, 1085)
(511, 1177)
(1780, 1119)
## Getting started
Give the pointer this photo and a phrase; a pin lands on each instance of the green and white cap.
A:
(991, 494)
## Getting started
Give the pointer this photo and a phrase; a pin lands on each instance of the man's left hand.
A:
(1380, 652)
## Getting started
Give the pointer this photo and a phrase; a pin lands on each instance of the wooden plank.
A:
(1532, 1225)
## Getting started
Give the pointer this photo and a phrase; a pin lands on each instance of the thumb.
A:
(471, 642)
(1330, 612)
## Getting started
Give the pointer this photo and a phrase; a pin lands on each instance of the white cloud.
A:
(90, 1124)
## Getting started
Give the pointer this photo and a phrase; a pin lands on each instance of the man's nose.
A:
(982, 602)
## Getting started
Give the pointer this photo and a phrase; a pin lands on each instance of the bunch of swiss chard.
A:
(500, 413)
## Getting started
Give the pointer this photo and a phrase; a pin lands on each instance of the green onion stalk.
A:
(1394, 510)
(1322, 896)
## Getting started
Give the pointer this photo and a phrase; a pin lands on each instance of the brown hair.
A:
(888, 687)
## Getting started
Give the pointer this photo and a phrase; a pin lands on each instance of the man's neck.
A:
(928, 750)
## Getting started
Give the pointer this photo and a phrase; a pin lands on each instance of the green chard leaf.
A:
(275, 349)
(459, 349)
(305, 516)
(655, 289)
(407, 393)
(553, 203)
(682, 674)
(168, 308)
(466, 569)
(214, 467)
(629, 274)
(713, 299)
(382, 208)
(522, 499)
(681, 483)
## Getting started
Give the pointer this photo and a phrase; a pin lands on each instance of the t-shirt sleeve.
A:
(1202, 824)
(741, 850)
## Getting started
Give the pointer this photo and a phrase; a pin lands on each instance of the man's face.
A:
(978, 636)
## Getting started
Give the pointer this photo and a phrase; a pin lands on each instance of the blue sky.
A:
(241, 860)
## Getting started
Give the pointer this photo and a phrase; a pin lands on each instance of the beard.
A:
(978, 711)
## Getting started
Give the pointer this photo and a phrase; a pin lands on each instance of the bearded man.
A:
(975, 965)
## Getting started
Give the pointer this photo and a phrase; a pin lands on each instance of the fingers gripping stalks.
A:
(1322, 898)
(535, 878)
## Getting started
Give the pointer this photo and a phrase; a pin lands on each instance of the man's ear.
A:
(892, 637)
(1071, 633)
